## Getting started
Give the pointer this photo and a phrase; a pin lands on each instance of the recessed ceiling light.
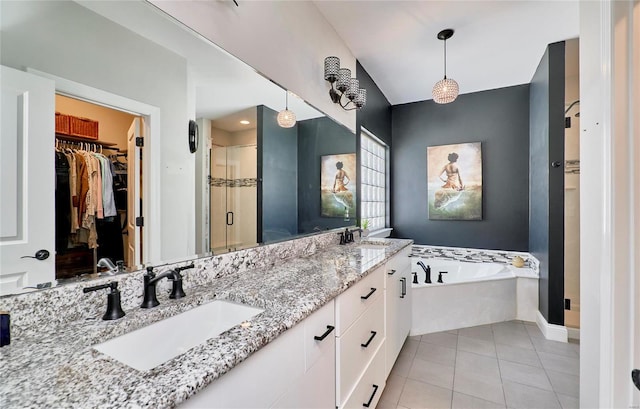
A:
(245, 122)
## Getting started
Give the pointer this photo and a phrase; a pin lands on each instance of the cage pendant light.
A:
(446, 90)
(286, 118)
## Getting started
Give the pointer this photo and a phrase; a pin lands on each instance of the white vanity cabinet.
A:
(296, 370)
(360, 343)
(398, 305)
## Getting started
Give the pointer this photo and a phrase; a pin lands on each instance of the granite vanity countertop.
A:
(60, 368)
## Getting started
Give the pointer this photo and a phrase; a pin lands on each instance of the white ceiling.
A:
(496, 43)
(224, 85)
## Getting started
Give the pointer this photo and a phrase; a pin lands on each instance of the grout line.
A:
(545, 372)
(504, 395)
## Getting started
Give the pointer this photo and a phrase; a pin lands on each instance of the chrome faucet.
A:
(112, 268)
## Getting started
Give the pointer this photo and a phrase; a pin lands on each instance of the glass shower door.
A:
(233, 198)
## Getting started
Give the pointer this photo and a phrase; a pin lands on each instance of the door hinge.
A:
(567, 303)
(140, 141)
(139, 221)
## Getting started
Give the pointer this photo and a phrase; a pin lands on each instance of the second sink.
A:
(157, 343)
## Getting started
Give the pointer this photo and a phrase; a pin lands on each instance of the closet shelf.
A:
(70, 138)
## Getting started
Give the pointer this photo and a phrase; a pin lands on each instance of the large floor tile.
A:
(410, 346)
(444, 339)
(481, 366)
(420, 395)
(509, 325)
(392, 391)
(482, 387)
(520, 396)
(568, 402)
(402, 365)
(525, 374)
(477, 346)
(519, 355)
(431, 372)
(462, 401)
(483, 332)
(533, 330)
(512, 337)
(555, 347)
(560, 363)
(437, 354)
(564, 383)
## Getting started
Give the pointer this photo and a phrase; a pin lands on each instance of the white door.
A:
(133, 194)
(27, 178)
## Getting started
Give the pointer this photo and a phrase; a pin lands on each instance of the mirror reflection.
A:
(116, 96)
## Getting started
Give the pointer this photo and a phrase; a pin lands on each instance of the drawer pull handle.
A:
(364, 297)
(326, 333)
(404, 287)
(375, 389)
(373, 335)
(391, 272)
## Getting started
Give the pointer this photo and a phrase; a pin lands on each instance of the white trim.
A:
(151, 246)
(574, 333)
(551, 332)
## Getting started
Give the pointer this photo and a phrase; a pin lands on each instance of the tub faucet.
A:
(427, 271)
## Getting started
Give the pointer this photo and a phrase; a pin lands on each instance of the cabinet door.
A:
(398, 305)
(392, 300)
(316, 388)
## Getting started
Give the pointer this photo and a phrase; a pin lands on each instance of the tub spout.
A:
(427, 271)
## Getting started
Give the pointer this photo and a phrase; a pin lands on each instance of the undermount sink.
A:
(157, 343)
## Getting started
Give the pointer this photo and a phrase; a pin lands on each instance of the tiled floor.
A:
(505, 365)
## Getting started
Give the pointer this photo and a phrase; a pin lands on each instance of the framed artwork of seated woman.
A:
(454, 181)
(338, 185)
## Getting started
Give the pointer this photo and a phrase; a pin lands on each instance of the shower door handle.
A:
(229, 223)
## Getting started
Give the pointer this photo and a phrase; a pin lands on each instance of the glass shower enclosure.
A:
(234, 198)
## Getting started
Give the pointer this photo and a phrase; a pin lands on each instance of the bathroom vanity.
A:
(288, 353)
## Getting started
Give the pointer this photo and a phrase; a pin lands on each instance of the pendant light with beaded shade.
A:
(446, 90)
(286, 118)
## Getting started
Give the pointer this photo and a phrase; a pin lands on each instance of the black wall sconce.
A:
(343, 85)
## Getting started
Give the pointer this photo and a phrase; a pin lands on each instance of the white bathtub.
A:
(471, 294)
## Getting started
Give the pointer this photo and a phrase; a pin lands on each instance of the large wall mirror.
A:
(96, 163)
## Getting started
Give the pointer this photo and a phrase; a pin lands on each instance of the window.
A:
(373, 168)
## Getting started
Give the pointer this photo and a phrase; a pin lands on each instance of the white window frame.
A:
(374, 175)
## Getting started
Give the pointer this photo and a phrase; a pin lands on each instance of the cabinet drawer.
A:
(370, 385)
(399, 263)
(319, 324)
(353, 302)
(352, 356)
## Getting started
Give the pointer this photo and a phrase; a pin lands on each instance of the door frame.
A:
(609, 203)
(152, 229)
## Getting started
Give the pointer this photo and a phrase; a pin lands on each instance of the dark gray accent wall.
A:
(499, 119)
(318, 137)
(278, 173)
(546, 219)
(376, 118)
(376, 115)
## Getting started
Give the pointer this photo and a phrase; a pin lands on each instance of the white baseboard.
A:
(551, 332)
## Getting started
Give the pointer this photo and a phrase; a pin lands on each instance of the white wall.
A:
(285, 40)
(69, 41)
(610, 203)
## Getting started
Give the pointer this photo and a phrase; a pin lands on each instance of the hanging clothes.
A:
(62, 202)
